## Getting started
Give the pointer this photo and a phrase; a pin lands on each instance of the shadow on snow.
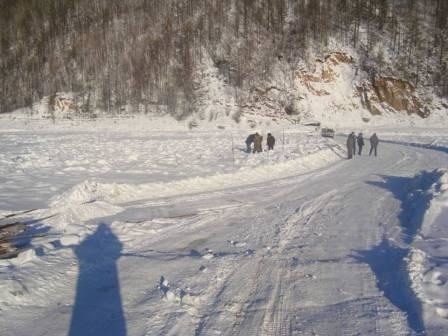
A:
(98, 307)
(418, 145)
(388, 260)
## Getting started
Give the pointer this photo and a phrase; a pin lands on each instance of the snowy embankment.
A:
(47, 160)
(89, 191)
(428, 264)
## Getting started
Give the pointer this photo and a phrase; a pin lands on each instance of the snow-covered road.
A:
(305, 254)
(318, 253)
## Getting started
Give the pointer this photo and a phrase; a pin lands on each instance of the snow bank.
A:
(72, 214)
(116, 193)
(428, 261)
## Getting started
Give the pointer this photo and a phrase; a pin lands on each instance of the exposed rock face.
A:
(398, 94)
(335, 87)
(63, 105)
(376, 95)
(324, 72)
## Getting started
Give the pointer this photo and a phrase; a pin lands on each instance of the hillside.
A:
(204, 60)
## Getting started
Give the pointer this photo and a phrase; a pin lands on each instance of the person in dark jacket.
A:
(249, 141)
(258, 139)
(354, 142)
(270, 141)
(350, 142)
(360, 141)
(373, 143)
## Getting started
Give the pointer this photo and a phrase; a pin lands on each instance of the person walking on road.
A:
(373, 144)
(258, 139)
(270, 141)
(249, 141)
(353, 135)
(350, 145)
(360, 141)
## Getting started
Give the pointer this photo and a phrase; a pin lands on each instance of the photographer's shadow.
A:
(98, 307)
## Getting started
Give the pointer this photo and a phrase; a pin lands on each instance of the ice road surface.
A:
(135, 232)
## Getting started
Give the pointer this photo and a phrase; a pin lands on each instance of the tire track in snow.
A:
(278, 318)
(268, 306)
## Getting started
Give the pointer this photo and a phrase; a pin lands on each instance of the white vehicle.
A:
(327, 132)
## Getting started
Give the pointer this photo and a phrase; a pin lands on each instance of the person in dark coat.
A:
(373, 143)
(270, 141)
(258, 139)
(354, 142)
(360, 141)
(249, 141)
(350, 142)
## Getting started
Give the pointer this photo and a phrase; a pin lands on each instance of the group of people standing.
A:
(257, 140)
(354, 140)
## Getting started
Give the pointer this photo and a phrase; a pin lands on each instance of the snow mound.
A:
(90, 191)
(81, 193)
(427, 265)
(70, 216)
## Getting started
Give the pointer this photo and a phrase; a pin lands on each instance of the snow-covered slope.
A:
(333, 90)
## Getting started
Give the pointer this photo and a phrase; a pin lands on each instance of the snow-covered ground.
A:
(52, 161)
(428, 259)
(135, 230)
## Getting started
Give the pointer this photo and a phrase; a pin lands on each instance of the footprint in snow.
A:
(236, 243)
(178, 295)
(249, 252)
(209, 254)
(438, 279)
(194, 253)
